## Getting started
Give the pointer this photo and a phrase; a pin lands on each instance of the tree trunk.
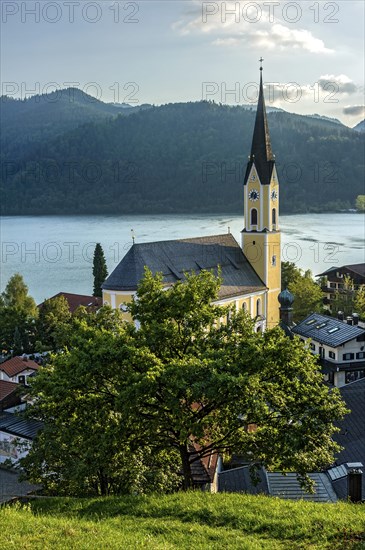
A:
(186, 467)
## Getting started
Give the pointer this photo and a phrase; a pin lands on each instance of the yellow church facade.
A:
(251, 270)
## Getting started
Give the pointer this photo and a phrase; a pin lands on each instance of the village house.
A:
(18, 369)
(340, 345)
(334, 281)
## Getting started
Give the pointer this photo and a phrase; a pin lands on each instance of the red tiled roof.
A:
(76, 300)
(16, 365)
(6, 388)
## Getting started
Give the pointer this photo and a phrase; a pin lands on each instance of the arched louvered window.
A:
(273, 216)
(253, 216)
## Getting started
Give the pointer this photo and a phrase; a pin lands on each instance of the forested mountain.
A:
(43, 117)
(63, 158)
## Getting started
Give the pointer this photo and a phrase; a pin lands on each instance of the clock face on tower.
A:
(274, 195)
(253, 195)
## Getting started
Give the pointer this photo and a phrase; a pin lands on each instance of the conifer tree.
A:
(100, 271)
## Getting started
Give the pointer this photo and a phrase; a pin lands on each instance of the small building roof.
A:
(20, 427)
(238, 480)
(76, 300)
(327, 330)
(6, 388)
(174, 258)
(359, 269)
(17, 364)
(352, 428)
(288, 487)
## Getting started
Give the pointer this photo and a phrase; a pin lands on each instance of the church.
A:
(251, 270)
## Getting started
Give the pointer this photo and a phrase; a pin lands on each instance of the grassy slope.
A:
(194, 520)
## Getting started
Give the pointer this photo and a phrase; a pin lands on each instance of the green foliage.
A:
(349, 299)
(15, 296)
(359, 302)
(172, 158)
(343, 299)
(180, 386)
(308, 296)
(170, 522)
(100, 271)
(290, 273)
(360, 203)
(17, 313)
(53, 319)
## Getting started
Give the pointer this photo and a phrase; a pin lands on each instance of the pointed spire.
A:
(261, 152)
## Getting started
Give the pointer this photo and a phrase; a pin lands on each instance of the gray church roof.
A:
(174, 258)
(327, 330)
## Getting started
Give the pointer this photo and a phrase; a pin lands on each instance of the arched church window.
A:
(258, 307)
(253, 216)
(273, 216)
(244, 306)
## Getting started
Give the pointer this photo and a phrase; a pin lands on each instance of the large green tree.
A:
(54, 315)
(181, 386)
(18, 312)
(100, 271)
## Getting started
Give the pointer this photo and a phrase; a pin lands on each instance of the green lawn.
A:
(187, 521)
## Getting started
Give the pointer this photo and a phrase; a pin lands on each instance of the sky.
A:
(170, 51)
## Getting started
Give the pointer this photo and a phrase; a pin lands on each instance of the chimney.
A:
(349, 320)
(355, 319)
(354, 485)
(340, 315)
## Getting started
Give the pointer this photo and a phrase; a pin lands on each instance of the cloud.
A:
(279, 37)
(282, 37)
(232, 32)
(342, 83)
(354, 110)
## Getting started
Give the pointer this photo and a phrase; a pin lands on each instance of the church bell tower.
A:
(261, 242)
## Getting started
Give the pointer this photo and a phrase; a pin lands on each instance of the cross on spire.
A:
(261, 60)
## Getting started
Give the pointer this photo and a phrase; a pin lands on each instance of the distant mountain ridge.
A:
(182, 157)
(360, 127)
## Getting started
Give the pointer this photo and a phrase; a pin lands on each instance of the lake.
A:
(54, 253)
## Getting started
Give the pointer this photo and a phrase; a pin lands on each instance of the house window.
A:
(332, 285)
(332, 355)
(360, 355)
(258, 307)
(273, 216)
(348, 356)
(312, 347)
(351, 376)
(253, 216)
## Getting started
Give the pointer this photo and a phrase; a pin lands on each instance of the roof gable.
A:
(16, 365)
